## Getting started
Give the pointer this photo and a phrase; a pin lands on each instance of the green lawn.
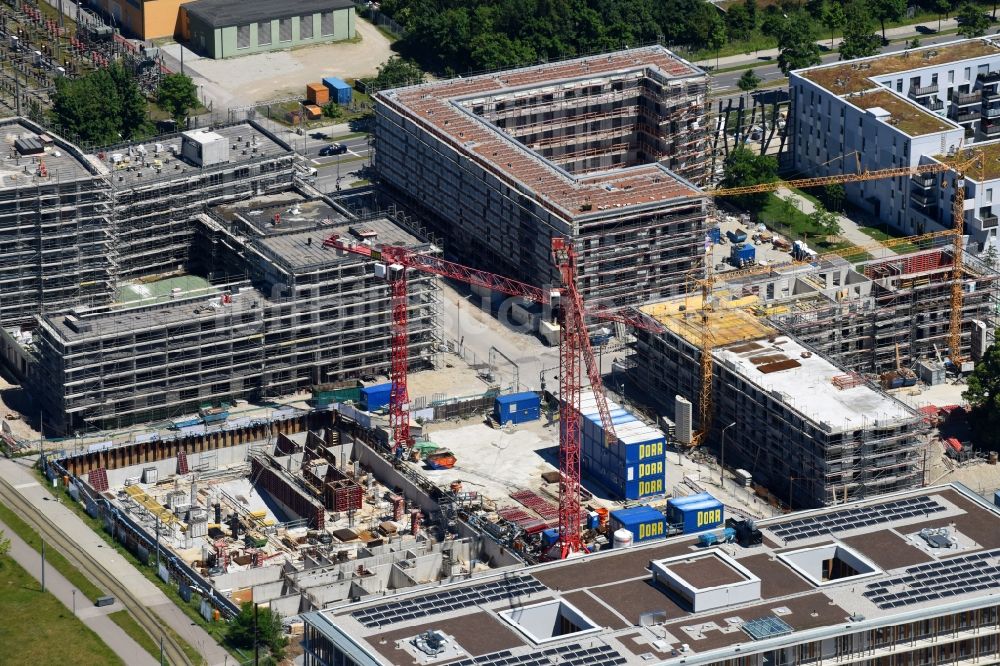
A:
(880, 236)
(128, 624)
(38, 629)
(52, 557)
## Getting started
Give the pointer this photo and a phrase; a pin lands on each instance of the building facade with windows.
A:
(933, 104)
(230, 28)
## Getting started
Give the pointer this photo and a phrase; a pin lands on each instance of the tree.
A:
(833, 197)
(134, 118)
(972, 21)
(4, 544)
(89, 108)
(749, 81)
(177, 95)
(717, 39)
(833, 18)
(983, 396)
(860, 39)
(826, 222)
(797, 43)
(942, 7)
(887, 10)
(991, 256)
(745, 167)
(396, 72)
(738, 22)
(913, 43)
(240, 632)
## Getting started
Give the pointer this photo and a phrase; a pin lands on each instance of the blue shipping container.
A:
(550, 536)
(742, 254)
(996, 498)
(695, 513)
(517, 408)
(645, 523)
(340, 91)
(375, 397)
(715, 234)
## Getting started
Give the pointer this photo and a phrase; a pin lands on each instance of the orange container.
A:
(317, 93)
(313, 112)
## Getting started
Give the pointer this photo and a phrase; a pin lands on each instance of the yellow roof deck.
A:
(728, 323)
(903, 115)
(856, 75)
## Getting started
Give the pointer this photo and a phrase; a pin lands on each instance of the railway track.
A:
(93, 570)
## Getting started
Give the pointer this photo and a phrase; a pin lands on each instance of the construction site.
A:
(609, 151)
(801, 359)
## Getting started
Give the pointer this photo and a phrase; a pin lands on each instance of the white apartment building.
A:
(899, 110)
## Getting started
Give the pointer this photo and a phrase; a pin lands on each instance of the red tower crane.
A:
(575, 352)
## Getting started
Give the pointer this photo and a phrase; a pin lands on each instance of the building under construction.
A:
(72, 224)
(889, 312)
(309, 315)
(804, 428)
(801, 355)
(608, 150)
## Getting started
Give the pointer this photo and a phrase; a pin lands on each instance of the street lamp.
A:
(722, 457)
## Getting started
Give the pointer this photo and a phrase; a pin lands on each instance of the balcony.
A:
(966, 99)
(967, 116)
(990, 130)
(924, 180)
(934, 104)
(924, 91)
(987, 222)
(922, 199)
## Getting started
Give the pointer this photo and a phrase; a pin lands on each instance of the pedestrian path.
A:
(18, 473)
(72, 598)
(849, 229)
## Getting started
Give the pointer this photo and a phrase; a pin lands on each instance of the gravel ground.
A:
(241, 81)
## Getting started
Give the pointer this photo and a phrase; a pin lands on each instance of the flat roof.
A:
(906, 116)
(225, 13)
(987, 168)
(439, 107)
(853, 76)
(64, 162)
(293, 210)
(615, 589)
(248, 143)
(804, 381)
(191, 306)
(304, 249)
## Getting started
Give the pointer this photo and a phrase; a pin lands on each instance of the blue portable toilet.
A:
(517, 408)
(340, 91)
(375, 397)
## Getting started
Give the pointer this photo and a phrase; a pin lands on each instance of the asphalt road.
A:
(724, 84)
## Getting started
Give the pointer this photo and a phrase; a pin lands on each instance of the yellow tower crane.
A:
(705, 404)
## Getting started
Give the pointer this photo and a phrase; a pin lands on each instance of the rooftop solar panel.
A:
(441, 602)
(947, 578)
(846, 519)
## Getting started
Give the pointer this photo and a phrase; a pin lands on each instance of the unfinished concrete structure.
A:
(272, 537)
(608, 150)
(309, 315)
(870, 315)
(806, 429)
